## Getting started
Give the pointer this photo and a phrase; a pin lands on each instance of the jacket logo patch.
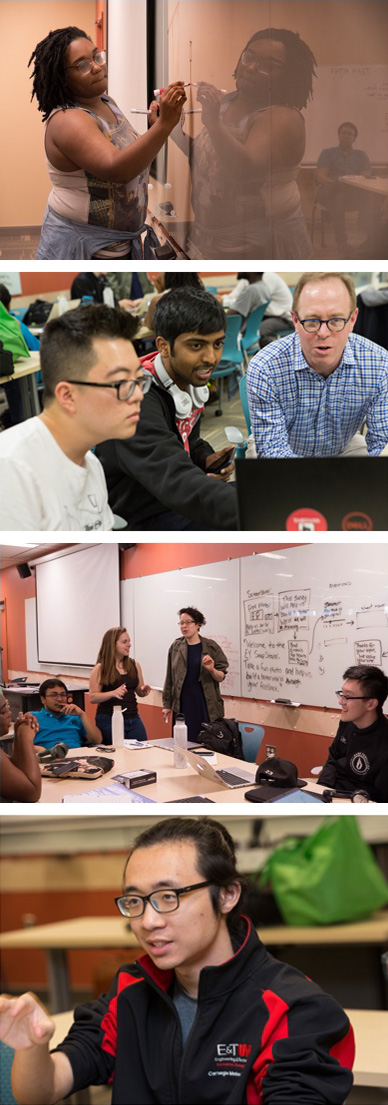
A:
(360, 763)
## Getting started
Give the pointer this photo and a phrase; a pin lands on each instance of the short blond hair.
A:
(318, 277)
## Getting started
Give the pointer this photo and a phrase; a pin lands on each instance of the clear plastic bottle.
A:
(180, 741)
(108, 297)
(117, 727)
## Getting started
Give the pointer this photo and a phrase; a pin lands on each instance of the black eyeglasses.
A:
(124, 389)
(351, 697)
(84, 65)
(313, 325)
(163, 901)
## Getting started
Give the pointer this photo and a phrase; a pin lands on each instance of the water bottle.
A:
(108, 297)
(117, 727)
(180, 741)
(62, 304)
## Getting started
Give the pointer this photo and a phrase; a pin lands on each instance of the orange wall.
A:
(37, 283)
(14, 591)
(150, 559)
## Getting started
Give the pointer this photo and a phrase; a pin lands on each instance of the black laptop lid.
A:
(313, 493)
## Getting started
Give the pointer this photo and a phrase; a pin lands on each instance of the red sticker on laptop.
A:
(306, 520)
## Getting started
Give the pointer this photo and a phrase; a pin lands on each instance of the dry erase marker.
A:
(187, 84)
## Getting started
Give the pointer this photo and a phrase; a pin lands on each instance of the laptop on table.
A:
(220, 777)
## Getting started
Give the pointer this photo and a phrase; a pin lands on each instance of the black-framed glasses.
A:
(55, 694)
(352, 697)
(163, 901)
(124, 389)
(313, 325)
(183, 625)
(84, 65)
(248, 58)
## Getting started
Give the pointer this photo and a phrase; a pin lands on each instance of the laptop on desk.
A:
(220, 777)
(313, 493)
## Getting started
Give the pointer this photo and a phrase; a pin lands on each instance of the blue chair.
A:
(244, 402)
(231, 355)
(19, 312)
(251, 337)
(251, 736)
(6, 1059)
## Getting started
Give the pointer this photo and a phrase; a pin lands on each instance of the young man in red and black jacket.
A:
(206, 1015)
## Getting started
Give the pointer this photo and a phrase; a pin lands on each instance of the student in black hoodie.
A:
(358, 756)
(206, 1014)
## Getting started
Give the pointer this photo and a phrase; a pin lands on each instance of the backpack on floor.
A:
(223, 736)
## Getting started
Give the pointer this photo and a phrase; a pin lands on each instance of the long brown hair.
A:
(107, 656)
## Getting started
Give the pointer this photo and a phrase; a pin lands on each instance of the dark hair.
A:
(174, 280)
(351, 125)
(48, 684)
(66, 345)
(193, 613)
(49, 79)
(373, 681)
(5, 296)
(216, 855)
(299, 66)
(186, 311)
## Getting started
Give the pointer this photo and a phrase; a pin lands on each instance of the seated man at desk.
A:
(20, 778)
(358, 756)
(333, 163)
(263, 287)
(165, 479)
(93, 389)
(310, 393)
(205, 1014)
(60, 720)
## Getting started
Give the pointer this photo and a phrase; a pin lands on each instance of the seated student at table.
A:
(358, 756)
(164, 482)
(93, 389)
(338, 161)
(60, 720)
(163, 1032)
(20, 778)
(264, 286)
(117, 680)
(310, 393)
(12, 390)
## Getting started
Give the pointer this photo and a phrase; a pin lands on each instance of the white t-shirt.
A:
(41, 489)
(270, 287)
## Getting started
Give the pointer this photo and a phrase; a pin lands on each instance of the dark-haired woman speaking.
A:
(98, 164)
(195, 668)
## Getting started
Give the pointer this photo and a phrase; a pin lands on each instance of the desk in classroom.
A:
(25, 372)
(172, 783)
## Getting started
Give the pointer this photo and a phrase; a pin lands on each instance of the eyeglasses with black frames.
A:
(163, 901)
(313, 325)
(352, 697)
(124, 388)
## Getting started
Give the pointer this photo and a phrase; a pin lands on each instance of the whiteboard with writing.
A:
(309, 613)
(211, 588)
(348, 93)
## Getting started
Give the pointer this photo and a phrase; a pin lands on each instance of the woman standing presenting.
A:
(116, 680)
(195, 668)
(97, 163)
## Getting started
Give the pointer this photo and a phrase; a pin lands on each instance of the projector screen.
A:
(77, 600)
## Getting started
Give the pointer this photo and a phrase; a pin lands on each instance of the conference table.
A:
(172, 784)
(25, 371)
(60, 937)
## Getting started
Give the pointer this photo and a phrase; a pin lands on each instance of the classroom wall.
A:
(23, 23)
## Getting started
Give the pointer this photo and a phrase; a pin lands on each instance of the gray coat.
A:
(176, 672)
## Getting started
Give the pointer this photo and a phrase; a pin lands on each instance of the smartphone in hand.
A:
(222, 462)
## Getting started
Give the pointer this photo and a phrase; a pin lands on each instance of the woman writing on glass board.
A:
(98, 164)
(245, 161)
(117, 680)
(196, 667)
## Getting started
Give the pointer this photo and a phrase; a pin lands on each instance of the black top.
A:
(358, 759)
(129, 699)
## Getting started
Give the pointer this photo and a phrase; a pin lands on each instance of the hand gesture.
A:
(208, 663)
(72, 709)
(166, 715)
(29, 721)
(144, 690)
(24, 1022)
(120, 691)
(172, 100)
(153, 112)
(210, 99)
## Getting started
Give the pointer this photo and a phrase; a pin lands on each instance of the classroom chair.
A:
(232, 356)
(6, 1059)
(251, 736)
(244, 402)
(251, 337)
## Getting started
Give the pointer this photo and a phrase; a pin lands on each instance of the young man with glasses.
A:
(93, 389)
(358, 756)
(310, 393)
(205, 1014)
(60, 720)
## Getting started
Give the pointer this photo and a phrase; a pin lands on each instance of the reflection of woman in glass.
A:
(246, 159)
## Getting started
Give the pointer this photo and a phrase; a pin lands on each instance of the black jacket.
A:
(152, 472)
(263, 1033)
(358, 759)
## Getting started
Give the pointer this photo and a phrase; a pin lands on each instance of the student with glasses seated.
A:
(310, 393)
(62, 721)
(358, 756)
(205, 1014)
(93, 390)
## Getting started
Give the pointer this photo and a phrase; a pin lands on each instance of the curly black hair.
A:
(49, 79)
(299, 65)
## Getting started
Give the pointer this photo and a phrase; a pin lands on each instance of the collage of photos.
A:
(194, 553)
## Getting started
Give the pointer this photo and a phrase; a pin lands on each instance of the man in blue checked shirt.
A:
(310, 393)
